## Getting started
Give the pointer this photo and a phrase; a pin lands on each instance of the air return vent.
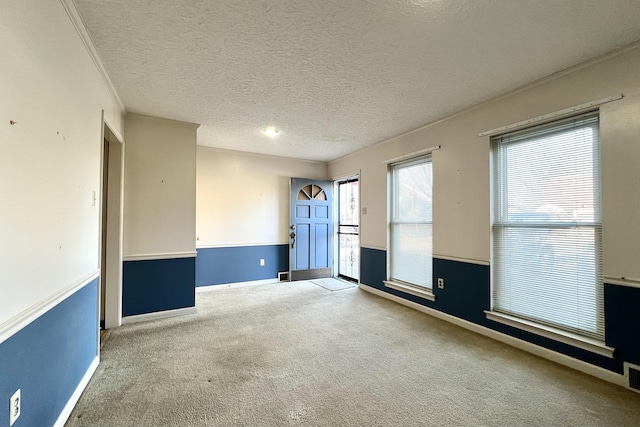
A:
(283, 276)
(632, 372)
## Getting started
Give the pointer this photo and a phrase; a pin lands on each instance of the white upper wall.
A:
(461, 204)
(50, 159)
(159, 187)
(243, 199)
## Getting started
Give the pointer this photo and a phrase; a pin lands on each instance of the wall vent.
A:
(632, 373)
(283, 276)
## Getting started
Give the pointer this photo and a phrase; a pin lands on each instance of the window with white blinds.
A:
(411, 222)
(547, 228)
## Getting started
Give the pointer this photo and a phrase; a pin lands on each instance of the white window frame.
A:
(419, 290)
(574, 338)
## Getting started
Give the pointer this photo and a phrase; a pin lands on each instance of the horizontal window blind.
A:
(410, 242)
(547, 227)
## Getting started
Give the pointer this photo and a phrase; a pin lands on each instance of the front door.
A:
(310, 229)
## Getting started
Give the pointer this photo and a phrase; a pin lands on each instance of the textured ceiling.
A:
(335, 76)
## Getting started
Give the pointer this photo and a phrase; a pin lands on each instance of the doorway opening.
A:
(349, 229)
(111, 212)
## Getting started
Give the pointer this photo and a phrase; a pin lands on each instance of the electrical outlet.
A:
(14, 407)
(440, 283)
(261, 262)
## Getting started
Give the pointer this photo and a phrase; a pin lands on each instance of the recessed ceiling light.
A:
(271, 132)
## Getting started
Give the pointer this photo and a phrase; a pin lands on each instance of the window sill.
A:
(575, 340)
(411, 289)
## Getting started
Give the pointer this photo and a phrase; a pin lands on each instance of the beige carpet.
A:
(295, 354)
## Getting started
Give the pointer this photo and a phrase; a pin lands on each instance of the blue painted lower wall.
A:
(622, 321)
(48, 358)
(467, 294)
(150, 286)
(215, 266)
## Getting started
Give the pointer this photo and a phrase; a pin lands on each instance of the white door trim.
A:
(115, 197)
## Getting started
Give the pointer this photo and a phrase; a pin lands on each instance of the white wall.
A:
(243, 199)
(159, 187)
(461, 167)
(50, 159)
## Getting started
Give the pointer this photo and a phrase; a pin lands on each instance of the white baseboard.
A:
(235, 285)
(562, 359)
(158, 315)
(71, 403)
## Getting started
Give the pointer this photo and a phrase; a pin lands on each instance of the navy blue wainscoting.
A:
(48, 358)
(373, 267)
(151, 286)
(216, 266)
(577, 353)
(622, 321)
(467, 294)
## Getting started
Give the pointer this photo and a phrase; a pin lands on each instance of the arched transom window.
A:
(312, 192)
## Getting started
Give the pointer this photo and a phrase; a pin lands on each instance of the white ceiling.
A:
(335, 76)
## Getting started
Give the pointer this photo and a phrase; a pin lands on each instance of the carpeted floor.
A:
(296, 354)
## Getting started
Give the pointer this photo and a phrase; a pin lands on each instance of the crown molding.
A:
(81, 29)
